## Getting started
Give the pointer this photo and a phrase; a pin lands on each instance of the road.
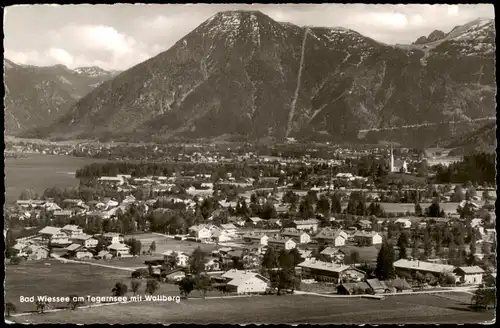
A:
(57, 257)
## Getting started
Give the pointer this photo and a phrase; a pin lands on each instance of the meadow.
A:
(40, 172)
(164, 243)
(290, 309)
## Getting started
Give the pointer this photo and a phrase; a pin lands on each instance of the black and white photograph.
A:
(250, 164)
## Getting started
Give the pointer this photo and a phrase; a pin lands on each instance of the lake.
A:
(40, 172)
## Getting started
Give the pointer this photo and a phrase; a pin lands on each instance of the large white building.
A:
(245, 282)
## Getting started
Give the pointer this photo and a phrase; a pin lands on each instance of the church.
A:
(397, 165)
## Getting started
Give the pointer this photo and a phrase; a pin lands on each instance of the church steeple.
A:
(392, 159)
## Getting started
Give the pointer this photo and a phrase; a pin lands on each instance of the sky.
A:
(119, 36)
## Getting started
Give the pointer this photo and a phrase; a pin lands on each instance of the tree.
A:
(197, 261)
(120, 289)
(41, 306)
(186, 286)
(74, 302)
(414, 250)
(354, 257)
(484, 297)
(135, 246)
(418, 209)
(402, 243)
(385, 260)
(434, 210)
(297, 258)
(427, 243)
(336, 206)
(305, 208)
(486, 197)
(152, 286)
(28, 194)
(269, 259)
(135, 284)
(152, 247)
(323, 206)
(203, 284)
(10, 308)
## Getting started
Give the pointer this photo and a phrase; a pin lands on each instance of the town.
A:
(366, 225)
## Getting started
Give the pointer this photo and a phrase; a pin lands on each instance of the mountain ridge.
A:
(237, 73)
(37, 95)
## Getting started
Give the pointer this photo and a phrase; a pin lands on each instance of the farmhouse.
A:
(403, 223)
(118, 249)
(55, 236)
(31, 252)
(245, 282)
(254, 220)
(72, 230)
(115, 181)
(221, 236)
(181, 258)
(323, 271)
(367, 238)
(331, 237)
(365, 224)
(335, 255)
(310, 225)
(104, 255)
(402, 266)
(256, 238)
(469, 275)
(79, 252)
(230, 228)
(297, 236)
(200, 232)
(85, 240)
(113, 238)
(281, 243)
(354, 288)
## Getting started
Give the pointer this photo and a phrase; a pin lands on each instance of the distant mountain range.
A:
(37, 96)
(240, 73)
(480, 140)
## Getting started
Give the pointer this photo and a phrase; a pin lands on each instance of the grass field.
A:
(164, 244)
(58, 279)
(275, 309)
(40, 172)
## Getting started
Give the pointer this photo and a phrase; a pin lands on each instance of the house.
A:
(182, 259)
(335, 255)
(256, 238)
(79, 252)
(367, 238)
(63, 214)
(377, 286)
(300, 237)
(222, 236)
(114, 181)
(402, 266)
(237, 220)
(85, 240)
(277, 222)
(281, 243)
(397, 285)
(331, 237)
(230, 228)
(245, 282)
(365, 224)
(105, 255)
(310, 225)
(113, 238)
(470, 275)
(200, 232)
(354, 288)
(72, 230)
(304, 253)
(55, 236)
(403, 223)
(254, 220)
(118, 249)
(212, 265)
(31, 252)
(323, 271)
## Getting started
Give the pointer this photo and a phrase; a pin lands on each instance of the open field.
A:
(58, 279)
(275, 309)
(40, 172)
(164, 243)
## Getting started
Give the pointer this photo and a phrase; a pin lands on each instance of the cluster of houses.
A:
(72, 242)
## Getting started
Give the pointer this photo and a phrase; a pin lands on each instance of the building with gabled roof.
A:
(470, 274)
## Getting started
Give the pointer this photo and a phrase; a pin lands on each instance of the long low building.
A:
(408, 266)
(323, 271)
